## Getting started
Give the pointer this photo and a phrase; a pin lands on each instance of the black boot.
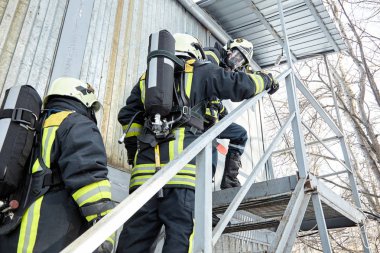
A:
(215, 220)
(231, 171)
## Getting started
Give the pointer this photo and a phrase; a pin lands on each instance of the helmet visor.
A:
(235, 59)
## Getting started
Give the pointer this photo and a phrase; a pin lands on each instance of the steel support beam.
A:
(333, 174)
(293, 103)
(279, 151)
(203, 203)
(327, 148)
(336, 202)
(291, 220)
(205, 20)
(218, 230)
(347, 159)
(322, 228)
(269, 27)
(321, 24)
(302, 88)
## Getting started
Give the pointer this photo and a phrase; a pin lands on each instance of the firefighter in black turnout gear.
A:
(197, 83)
(69, 189)
(231, 57)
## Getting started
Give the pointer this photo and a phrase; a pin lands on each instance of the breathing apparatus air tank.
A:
(159, 82)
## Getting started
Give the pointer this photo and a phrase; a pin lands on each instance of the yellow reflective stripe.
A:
(91, 217)
(189, 80)
(176, 145)
(134, 130)
(141, 171)
(172, 144)
(112, 238)
(36, 166)
(188, 66)
(56, 118)
(139, 180)
(142, 90)
(187, 172)
(181, 137)
(149, 165)
(191, 239)
(93, 192)
(134, 125)
(213, 55)
(29, 227)
(177, 179)
(259, 82)
(47, 141)
(135, 158)
(180, 183)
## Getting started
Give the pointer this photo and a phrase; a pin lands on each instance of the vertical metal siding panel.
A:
(7, 21)
(90, 42)
(10, 27)
(130, 78)
(113, 80)
(96, 44)
(142, 47)
(19, 53)
(107, 59)
(3, 5)
(119, 81)
(42, 83)
(102, 44)
(42, 61)
(117, 36)
(32, 45)
(134, 60)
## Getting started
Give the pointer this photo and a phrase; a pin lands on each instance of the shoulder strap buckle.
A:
(26, 118)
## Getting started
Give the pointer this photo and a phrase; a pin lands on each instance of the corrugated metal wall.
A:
(114, 57)
(29, 31)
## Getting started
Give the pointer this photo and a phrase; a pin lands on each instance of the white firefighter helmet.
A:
(184, 45)
(75, 88)
(243, 45)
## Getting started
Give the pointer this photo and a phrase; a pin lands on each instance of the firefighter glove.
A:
(107, 246)
(274, 86)
(271, 84)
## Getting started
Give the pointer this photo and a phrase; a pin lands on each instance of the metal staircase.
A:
(284, 205)
(270, 199)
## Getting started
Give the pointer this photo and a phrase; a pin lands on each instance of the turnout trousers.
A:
(175, 211)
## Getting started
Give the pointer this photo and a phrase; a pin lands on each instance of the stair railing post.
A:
(293, 103)
(203, 202)
(322, 228)
(347, 160)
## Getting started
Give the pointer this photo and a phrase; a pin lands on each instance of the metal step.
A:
(269, 200)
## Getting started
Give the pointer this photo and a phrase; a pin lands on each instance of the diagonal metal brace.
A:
(291, 220)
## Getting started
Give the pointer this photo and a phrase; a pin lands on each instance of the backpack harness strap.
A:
(25, 117)
(52, 178)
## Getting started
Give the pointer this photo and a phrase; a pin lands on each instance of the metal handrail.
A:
(98, 233)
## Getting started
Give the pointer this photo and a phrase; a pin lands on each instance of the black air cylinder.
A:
(159, 80)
